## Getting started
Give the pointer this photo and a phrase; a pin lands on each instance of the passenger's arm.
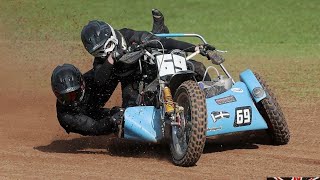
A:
(82, 124)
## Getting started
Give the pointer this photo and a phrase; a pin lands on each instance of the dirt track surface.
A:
(33, 145)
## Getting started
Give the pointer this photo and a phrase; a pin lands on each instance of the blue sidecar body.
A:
(228, 112)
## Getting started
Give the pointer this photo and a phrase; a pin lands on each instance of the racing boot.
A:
(118, 121)
(158, 22)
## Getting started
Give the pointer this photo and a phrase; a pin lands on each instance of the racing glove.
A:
(117, 54)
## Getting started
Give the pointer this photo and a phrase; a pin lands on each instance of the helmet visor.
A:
(71, 97)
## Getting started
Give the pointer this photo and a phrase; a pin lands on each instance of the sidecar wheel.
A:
(188, 140)
(272, 113)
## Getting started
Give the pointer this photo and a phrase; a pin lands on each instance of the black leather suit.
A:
(88, 117)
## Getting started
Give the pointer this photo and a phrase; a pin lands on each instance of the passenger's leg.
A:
(158, 22)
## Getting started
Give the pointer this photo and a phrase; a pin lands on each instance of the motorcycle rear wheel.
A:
(188, 140)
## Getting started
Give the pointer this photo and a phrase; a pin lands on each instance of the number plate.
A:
(243, 116)
(169, 64)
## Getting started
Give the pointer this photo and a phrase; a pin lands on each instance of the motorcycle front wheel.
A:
(188, 139)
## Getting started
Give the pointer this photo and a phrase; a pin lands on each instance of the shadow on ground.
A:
(120, 147)
(240, 140)
(106, 145)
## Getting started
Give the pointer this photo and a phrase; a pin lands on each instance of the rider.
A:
(107, 45)
(80, 100)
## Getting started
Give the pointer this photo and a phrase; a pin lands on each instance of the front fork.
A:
(173, 111)
(172, 114)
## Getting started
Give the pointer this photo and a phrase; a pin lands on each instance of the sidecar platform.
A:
(143, 123)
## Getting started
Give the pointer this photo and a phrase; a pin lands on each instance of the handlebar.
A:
(197, 52)
(205, 51)
(182, 35)
(192, 55)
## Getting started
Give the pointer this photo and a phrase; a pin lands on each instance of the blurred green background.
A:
(286, 28)
(279, 38)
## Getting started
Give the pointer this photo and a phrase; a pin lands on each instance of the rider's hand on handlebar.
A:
(117, 54)
(133, 47)
(136, 47)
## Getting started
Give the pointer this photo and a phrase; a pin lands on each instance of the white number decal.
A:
(239, 116)
(243, 116)
(246, 115)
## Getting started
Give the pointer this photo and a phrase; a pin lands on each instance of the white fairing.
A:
(169, 64)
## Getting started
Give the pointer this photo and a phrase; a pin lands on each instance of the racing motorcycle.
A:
(173, 106)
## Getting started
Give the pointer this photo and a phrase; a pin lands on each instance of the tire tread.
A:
(199, 124)
(271, 111)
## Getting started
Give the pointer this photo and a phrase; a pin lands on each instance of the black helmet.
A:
(98, 38)
(67, 84)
